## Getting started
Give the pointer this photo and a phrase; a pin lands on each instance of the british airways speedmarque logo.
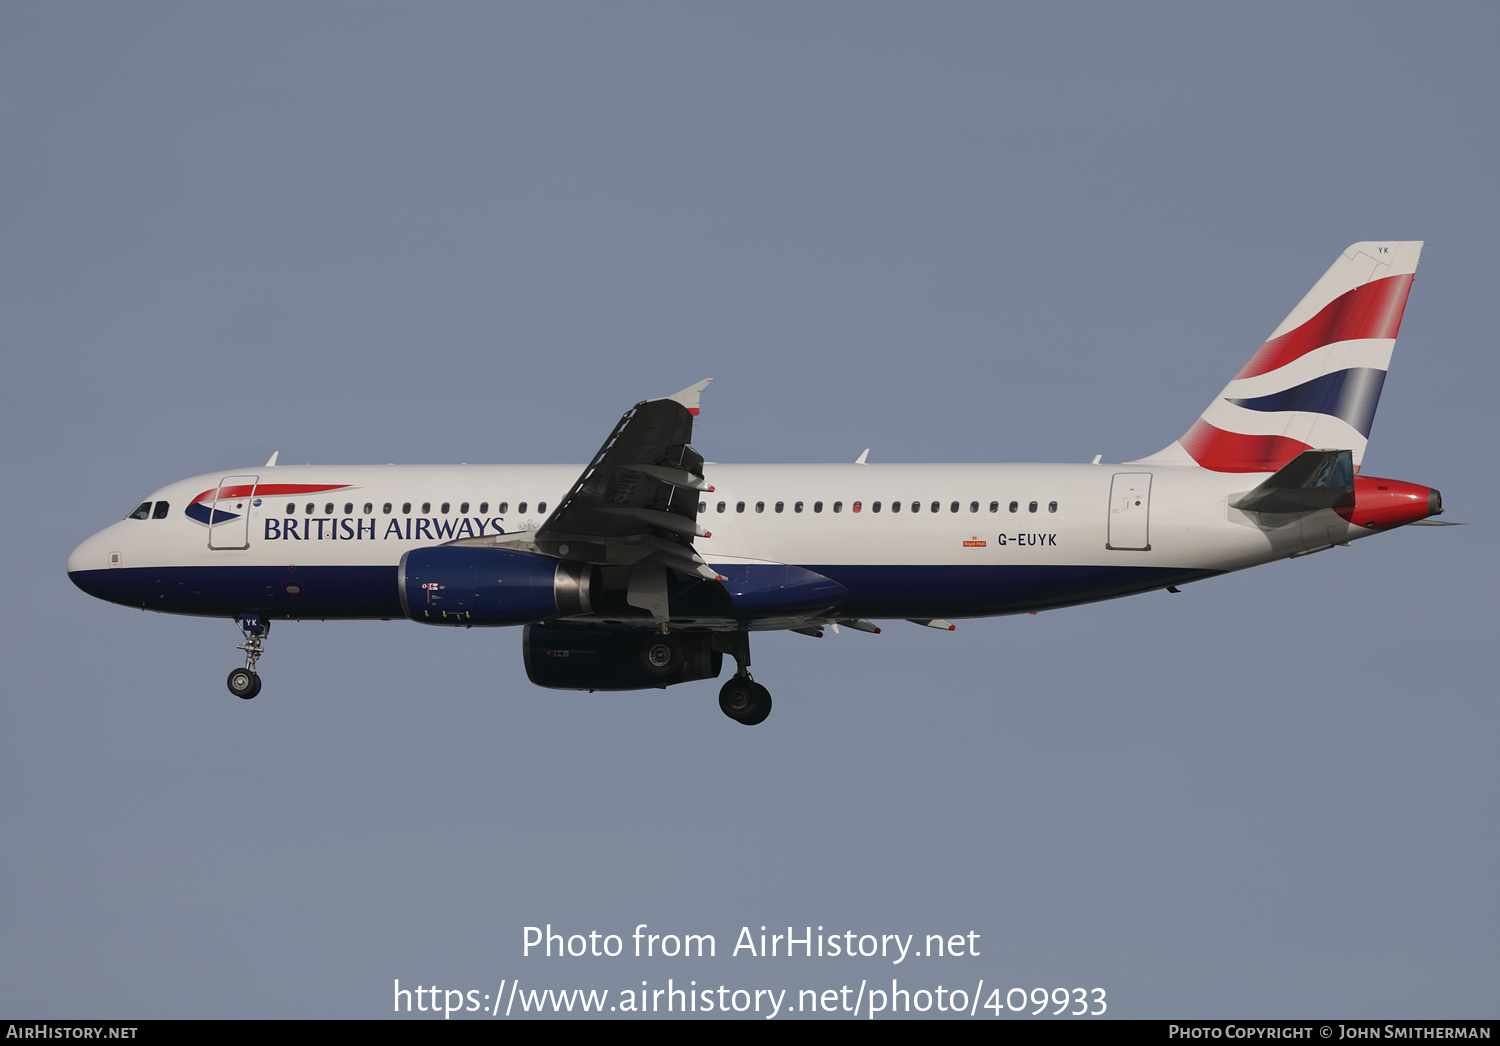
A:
(208, 508)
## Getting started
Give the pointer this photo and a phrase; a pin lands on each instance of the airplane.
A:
(650, 565)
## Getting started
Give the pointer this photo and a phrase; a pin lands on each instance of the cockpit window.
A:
(143, 511)
(161, 510)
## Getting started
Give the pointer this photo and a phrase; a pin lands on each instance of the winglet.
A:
(688, 397)
(861, 459)
(272, 463)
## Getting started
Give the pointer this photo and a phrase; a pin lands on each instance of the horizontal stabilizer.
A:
(1312, 480)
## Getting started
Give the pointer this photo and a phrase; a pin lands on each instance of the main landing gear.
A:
(742, 698)
(244, 683)
(745, 701)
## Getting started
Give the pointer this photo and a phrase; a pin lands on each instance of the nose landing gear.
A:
(244, 683)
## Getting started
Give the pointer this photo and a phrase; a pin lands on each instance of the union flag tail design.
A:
(1317, 379)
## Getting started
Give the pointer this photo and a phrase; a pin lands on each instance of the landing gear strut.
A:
(742, 698)
(244, 682)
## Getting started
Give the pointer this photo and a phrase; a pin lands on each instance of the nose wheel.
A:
(244, 683)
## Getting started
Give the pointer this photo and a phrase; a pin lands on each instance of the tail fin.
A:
(1317, 379)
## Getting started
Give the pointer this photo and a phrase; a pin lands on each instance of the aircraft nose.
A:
(90, 557)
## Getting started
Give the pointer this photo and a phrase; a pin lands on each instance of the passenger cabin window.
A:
(721, 506)
(797, 507)
(310, 508)
(760, 506)
(521, 507)
(503, 507)
(994, 506)
(406, 508)
(290, 508)
(1051, 506)
(1014, 505)
(541, 506)
(386, 508)
(916, 506)
(953, 507)
(817, 506)
(937, 506)
(445, 508)
(875, 507)
(369, 508)
(973, 506)
(739, 506)
(895, 506)
(142, 511)
(463, 510)
(484, 507)
(426, 508)
(1032, 507)
(780, 505)
(348, 508)
(328, 509)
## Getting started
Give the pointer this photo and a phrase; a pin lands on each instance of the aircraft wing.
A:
(636, 503)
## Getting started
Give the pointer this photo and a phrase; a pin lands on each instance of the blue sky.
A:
(962, 232)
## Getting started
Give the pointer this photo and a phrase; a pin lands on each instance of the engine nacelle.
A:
(458, 585)
(578, 657)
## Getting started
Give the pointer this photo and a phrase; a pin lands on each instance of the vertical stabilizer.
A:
(1317, 379)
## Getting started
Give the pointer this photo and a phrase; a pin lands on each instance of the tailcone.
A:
(1381, 504)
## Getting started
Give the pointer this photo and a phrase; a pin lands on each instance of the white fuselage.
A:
(897, 536)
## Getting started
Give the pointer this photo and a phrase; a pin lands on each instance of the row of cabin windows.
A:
(146, 511)
(895, 506)
(501, 507)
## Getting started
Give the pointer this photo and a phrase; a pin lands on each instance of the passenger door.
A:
(229, 516)
(1130, 512)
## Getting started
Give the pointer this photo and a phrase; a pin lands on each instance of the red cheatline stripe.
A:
(1371, 310)
(267, 490)
(1213, 448)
